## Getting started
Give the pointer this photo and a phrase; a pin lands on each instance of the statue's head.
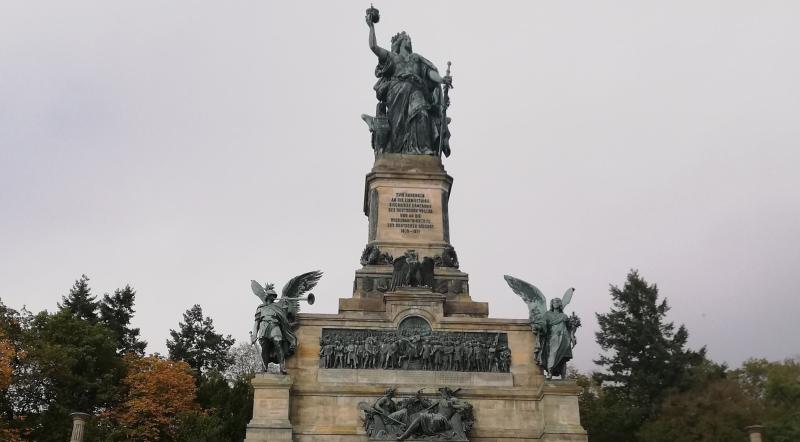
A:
(556, 304)
(390, 391)
(401, 40)
(269, 289)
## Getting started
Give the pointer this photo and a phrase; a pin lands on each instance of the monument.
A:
(409, 355)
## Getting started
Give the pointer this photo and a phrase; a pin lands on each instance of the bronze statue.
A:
(411, 112)
(275, 318)
(372, 255)
(555, 331)
(410, 272)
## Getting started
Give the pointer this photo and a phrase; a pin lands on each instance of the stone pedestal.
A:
(78, 426)
(756, 433)
(270, 409)
(405, 198)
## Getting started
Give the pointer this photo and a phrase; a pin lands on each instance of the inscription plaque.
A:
(410, 214)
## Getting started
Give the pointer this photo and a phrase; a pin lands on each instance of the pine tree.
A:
(116, 312)
(80, 301)
(646, 356)
(70, 364)
(198, 344)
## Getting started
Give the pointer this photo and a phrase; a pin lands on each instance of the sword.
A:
(445, 104)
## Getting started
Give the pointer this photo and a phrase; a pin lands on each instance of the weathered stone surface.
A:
(755, 432)
(515, 406)
(411, 193)
(375, 280)
(270, 409)
(469, 308)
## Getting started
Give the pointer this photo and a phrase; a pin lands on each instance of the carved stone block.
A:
(270, 409)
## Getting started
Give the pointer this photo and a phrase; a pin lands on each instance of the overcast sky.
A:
(187, 147)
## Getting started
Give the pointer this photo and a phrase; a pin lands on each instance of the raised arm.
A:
(373, 42)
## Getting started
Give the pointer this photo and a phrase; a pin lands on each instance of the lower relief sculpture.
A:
(446, 418)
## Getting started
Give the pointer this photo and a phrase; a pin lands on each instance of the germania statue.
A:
(411, 112)
(275, 319)
(555, 331)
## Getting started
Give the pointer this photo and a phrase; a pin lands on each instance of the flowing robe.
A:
(271, 322)
(412, 104)
(557, 348)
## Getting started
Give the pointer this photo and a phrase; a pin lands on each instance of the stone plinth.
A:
(374, 281)
(405, 198)
(756, 433)
(516, 406)
(270, 409)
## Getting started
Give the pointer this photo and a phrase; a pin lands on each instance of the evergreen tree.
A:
(70, 365)
(230, 403)
(715, 408)
(646, 356)
(116, 312)
(80, 301)
(198, 344)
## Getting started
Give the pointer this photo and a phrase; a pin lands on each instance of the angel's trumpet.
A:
(310, 298)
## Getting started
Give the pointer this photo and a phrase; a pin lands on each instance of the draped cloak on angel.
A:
(558, 349)
(272, 321)
(413, 103)
(553, 328)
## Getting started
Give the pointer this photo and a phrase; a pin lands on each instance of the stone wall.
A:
(516, 406)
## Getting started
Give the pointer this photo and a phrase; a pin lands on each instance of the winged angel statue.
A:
(275, 318)
(555, 331)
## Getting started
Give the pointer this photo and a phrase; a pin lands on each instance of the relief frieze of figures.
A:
(414, 349)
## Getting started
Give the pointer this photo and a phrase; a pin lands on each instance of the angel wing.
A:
(567, 296)
(258, 290)
(400, 272)
(297, 287)
(300, 284)
(528, 292)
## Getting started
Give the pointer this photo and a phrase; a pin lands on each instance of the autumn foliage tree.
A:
(159, 392)
(7, 355)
